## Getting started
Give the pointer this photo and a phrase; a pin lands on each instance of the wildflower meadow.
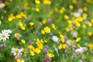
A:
(46, 30)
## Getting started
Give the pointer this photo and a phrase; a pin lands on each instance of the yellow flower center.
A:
(3, 35)
(16, 51)
(17, 35)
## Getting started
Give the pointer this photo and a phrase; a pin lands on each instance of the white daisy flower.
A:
(4, 36)
(16, 51)
(17, 35)
(77, 14)
(7, 31)
(55, 38)
(81, 50)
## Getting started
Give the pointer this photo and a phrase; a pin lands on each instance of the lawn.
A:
(46, 30)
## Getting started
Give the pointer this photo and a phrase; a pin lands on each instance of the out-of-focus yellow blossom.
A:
(92, 21)
(31, 47)
(78, 39)
(42, 32)
(66, 17)
(74, 1)
(39, 44)
(90, 33)
(70, 41)
(49, 14)
(37, 2)
(23, 27)
(50, 53)
(62, 38)
(32, 53)
(23, 41)
(23, 15)
(53, 26)
(45, 40)
(62, 46)
(90, 46)
(44, 21)
(25, 53)
(78, 45)
(88, 1)
(20, 15)
(85, 9)
(89, 24)
(20, 23)
(11, 17)
(67, 29)
(26, 6)
(47, 2)
(0, 22)
(37, 9)
(19, 60)
(83, 25)
(84, 16)
(69, 22)
(56, 9)
(11, 0)
(71, 7)
(77, 24)
(37, 50)
(62, 10)
(31, 23)
(47, 29)
(80, 19)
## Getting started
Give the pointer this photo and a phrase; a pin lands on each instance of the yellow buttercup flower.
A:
(62, 46)
(31, 23)
(44, 21)
(47, 2)
(53, 26)
(50, 53)
(83, 25)
(42, 32)
(37, 50)
(11, 17)
(90, 45)
(37, 2)
(78, 45)
(23, 41)
(90, 33)
(85, 9)
(78, 39)
(71, 7)
(23, 27)
(37, 9)
(66, 17)
(47, 29)
(62, 38)
(77, 24)
(89, 24)
(32, 53)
